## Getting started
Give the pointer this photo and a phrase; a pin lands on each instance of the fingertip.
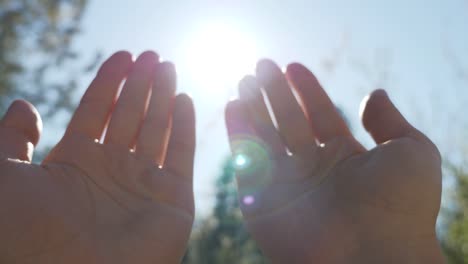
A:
(232, 107)
(118, 62)
(182, 142)
(295, 67)
(122, 56)
(266, 65)
(184, 108)
(166, 77)
(371, 106)
(248, 88)
(150, 55)
(382, 119)
(23, 116)
(268, 71)
(248, 80)
(168, 67)
(147, 61)
(298, 73)
(379, 95)
(237, 121)
(144, 66)
(183, 117)
(265, 62)
(184, 99)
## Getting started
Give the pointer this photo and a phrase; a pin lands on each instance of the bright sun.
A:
(218, 55)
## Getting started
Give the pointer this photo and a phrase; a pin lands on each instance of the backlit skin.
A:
(129, 199)
(102, 203)
(320, 196)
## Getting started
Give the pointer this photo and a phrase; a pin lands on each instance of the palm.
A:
(320, 202)
(101, 203)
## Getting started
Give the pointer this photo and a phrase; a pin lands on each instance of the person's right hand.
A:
(110, 202)
(329, 200)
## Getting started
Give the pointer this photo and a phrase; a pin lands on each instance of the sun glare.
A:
(218, 55)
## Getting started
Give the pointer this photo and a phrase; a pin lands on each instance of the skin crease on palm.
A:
(318, 196)
(126, 200)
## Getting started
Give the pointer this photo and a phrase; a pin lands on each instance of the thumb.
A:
(20, 130)
(382, 119)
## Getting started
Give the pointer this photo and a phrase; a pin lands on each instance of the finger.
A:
(252, 97)
(131, 105)
(240, 133)
(383, 120)
(327, 123)
(237, 122)
(20, 130)
(181, 146)
(292, 124)
(153, 135)
(93, 112)
(252, 163)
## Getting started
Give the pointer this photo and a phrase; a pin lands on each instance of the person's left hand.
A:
(311, 193)
(110, 202)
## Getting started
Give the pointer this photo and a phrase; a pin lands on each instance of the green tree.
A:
(36, 52)
(455, 240)
(455, 236)
(222, 238)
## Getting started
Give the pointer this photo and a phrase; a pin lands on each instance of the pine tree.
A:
(223, 238)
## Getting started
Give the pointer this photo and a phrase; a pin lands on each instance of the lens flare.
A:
(252, 162)
(241, 161)
(248, 200)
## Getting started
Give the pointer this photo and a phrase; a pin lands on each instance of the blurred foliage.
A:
(36, 50)
(223, 238)
(455, 237)
(455, 240)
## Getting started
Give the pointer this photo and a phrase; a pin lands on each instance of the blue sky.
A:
(352, 46)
